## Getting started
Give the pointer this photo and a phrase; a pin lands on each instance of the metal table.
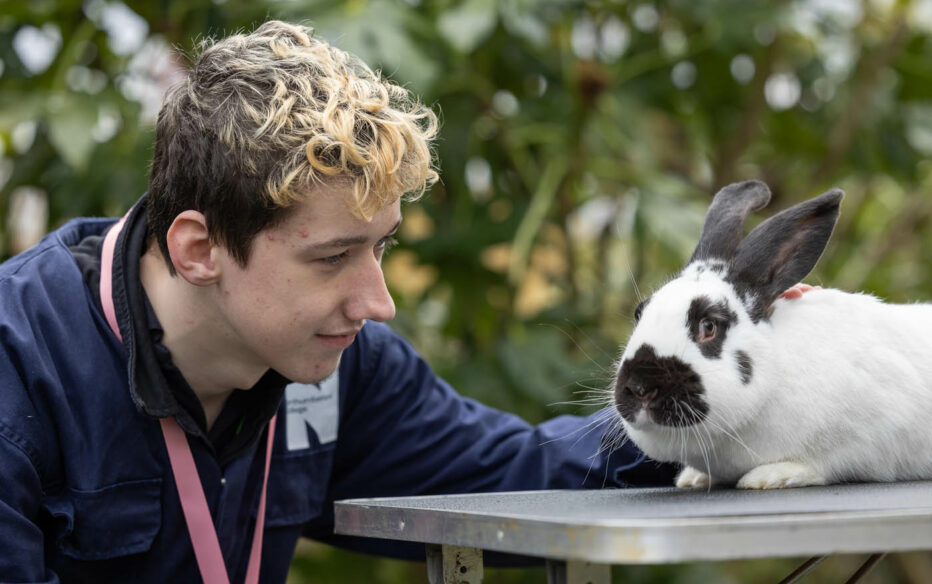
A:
(581, 533)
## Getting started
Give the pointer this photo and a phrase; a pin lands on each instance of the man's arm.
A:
(405, 431)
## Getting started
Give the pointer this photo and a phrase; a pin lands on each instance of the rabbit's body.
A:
(768, 392)
(845, 387)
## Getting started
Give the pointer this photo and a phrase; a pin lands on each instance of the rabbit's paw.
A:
(690, 477)
(780, 475)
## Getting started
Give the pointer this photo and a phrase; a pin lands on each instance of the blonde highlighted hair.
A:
(264, 117)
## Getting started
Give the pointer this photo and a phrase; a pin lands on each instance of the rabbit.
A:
(746, 388)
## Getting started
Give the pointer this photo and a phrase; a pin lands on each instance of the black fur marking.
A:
(782, 250)
(639, 310)
(722, 229)
(720, 313)
(745, 366)
(718, 268)
(669, 389)
(758, 308)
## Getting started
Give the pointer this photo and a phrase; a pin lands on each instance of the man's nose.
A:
(371, 300)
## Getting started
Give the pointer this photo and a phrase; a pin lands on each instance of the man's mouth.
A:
(340, 340)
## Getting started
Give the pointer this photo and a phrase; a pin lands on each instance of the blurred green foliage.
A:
(581, 144)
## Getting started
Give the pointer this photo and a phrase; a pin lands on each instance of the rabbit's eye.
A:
(639, 310)
(707, 330)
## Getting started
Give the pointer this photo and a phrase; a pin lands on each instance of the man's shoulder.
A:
(52, 350)
(43, 291)
(52, 252)
(378, 340)
(380, 353)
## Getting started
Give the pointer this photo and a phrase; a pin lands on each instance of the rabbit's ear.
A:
(782, 250)
(724, 221)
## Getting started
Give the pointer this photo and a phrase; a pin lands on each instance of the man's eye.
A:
(334, 259)
(386, 243)
(383, 245)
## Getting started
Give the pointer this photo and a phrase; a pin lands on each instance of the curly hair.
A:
(262, 118)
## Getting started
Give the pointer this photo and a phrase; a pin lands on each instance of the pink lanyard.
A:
(193, 503)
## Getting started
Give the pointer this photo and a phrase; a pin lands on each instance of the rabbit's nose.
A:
(642, 392)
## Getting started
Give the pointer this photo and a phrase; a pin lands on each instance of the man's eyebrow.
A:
(337, 242)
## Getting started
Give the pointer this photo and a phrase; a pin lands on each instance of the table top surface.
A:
(662, 525)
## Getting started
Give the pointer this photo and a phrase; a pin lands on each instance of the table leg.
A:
(450, 564)
(559, 572)
(865, 568)
(807, 566)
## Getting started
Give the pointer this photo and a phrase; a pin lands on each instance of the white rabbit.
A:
(747, 388)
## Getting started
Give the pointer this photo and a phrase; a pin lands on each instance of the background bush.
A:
(581, 144)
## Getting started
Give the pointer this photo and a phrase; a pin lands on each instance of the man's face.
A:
(309, 285)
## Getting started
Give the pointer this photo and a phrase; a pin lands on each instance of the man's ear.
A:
(190, 249)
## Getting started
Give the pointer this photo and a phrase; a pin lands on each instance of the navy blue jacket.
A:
(86, 490)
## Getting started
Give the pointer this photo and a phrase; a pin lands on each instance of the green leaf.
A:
(18, 107)
(546, 192)
(466, 26)
(539, 365)
(379, 36)
(523, 19)
(70, 126)
(674, 219)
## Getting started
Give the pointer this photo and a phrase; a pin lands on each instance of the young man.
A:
(143, 360)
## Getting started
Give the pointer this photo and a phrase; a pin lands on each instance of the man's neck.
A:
(194, 333)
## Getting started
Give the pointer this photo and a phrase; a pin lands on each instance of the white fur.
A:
(841, 389)
(781, 474)
(691, 477)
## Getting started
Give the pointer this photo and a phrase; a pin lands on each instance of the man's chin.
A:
(318, 373)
